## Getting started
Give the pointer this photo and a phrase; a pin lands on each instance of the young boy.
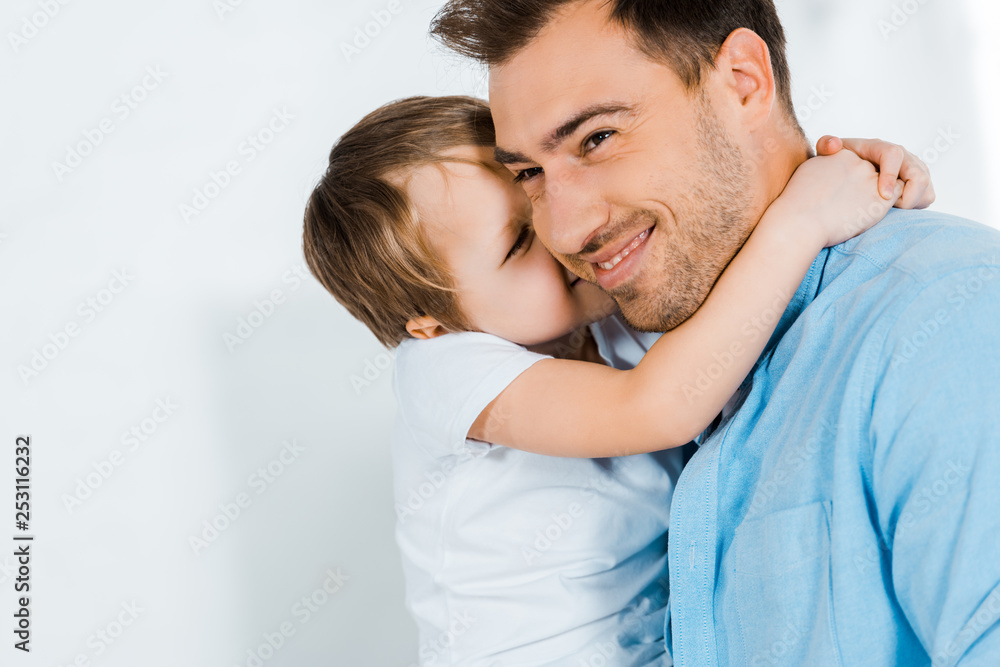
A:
(532, 493)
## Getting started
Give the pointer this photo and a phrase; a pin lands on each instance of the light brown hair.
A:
(362, 238)
(687, 34)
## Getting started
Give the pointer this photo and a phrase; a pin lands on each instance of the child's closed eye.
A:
(523, 240)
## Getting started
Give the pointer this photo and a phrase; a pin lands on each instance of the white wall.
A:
(63, 236)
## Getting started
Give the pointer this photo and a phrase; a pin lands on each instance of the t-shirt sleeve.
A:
(443, 384)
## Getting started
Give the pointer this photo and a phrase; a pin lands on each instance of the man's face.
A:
(635, 183)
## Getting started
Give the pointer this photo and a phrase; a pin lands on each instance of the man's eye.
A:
(596, 139)
(527, 174)
(522, 240)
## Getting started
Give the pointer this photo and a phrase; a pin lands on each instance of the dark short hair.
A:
(685, 33)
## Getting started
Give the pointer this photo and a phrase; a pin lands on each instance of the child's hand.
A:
(892, 161)
(831, 199)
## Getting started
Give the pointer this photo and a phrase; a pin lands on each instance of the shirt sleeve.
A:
(936, 464)
(443, 384)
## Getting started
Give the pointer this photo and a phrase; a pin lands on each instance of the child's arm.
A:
(577, 409)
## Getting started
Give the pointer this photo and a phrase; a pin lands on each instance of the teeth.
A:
(616, 260)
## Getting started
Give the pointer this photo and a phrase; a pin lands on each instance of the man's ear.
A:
(425, 328)
(745, 61)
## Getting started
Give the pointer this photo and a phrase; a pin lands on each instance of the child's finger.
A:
(829, 145)
(917, 195)
(889, 161)
(919, 191)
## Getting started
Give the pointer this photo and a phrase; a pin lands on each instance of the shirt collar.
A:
(808, 290)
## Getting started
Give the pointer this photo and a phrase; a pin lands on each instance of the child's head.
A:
(417, 231)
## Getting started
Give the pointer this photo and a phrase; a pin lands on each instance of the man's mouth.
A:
(625, 252)
(617, 265)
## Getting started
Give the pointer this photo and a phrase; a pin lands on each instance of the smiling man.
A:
(846, 509)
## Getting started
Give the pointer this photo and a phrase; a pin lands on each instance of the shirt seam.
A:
(861, 252)
(877, 355)
(455, 437)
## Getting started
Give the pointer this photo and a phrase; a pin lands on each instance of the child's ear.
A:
(425, 328)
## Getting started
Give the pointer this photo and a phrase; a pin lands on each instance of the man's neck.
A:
(789, 149)
(578, 345)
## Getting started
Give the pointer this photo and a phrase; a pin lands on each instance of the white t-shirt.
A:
(513, 558)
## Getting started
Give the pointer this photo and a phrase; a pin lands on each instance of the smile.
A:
(611, 271)
(625, 252)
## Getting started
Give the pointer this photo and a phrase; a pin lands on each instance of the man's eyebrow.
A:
(573, 124)
(568, 127)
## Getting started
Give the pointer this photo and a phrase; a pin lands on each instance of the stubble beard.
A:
(712, 222)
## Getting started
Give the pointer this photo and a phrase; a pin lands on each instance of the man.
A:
(846, 510)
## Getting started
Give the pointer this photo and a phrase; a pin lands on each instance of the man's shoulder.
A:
(918, 282)
(926, 246)
(911, 268)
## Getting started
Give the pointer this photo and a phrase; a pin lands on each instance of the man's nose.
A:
(571, 211)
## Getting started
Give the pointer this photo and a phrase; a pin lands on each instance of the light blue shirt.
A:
(848, 511)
